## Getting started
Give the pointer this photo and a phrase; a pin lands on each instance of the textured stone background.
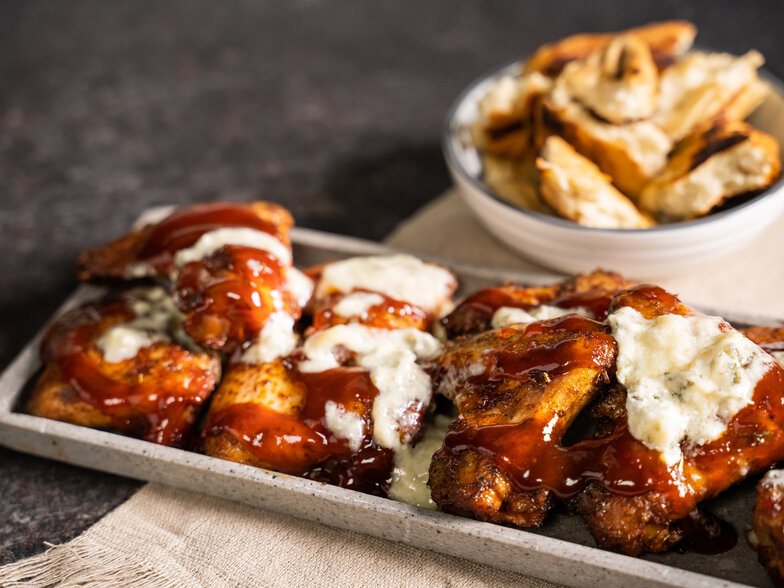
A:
(333, 109)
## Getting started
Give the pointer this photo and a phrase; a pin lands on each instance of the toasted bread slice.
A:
(579, 191)
(666, 40)
(504, 123)
(631, 154)
(516, 181)
(711, 166)
(619, 82)
(704, 86)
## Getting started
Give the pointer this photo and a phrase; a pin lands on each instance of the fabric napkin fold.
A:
(165, 537)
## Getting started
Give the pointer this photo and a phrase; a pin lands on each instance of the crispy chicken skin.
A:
(771, 339)
(227, 293)
(155, 395)
(768, 524)
(711, 166)
(154, 245)
(666, 40)
(593, 291)
(650, 521)
(579, 191)
(512, 386)
(319, 424)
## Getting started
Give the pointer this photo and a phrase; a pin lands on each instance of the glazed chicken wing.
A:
(591, 293)
(338, 407)
(684, 407)
(113, 365)
(689, 454)
(230, 266)
(517, 390)
(768, 524)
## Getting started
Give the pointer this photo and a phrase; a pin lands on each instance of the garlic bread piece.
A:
(579, 191)
(503, 126)
(709, 167)
(704, 86)
(631, 154)
(666, 40)
(516, 181)
(619, 82)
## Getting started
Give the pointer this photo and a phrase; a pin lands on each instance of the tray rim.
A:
(421, 527)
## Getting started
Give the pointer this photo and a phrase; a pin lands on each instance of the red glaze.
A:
(228, 296)
(184, 227)
(531, 454)
(475, 312)
(302, 444)
(389, 314)
(151, 396)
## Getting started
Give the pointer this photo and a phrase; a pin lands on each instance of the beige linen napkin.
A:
(167, 537)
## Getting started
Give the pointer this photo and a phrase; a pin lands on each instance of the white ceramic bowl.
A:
(639, 253)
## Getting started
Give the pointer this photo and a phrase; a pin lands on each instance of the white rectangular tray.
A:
(561, 551)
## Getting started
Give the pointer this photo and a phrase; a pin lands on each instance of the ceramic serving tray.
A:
(561, 551)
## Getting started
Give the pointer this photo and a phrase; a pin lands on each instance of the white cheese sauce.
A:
(300, 286)
(775, 479)
(402, 277)
(357, 304)
(276, 339)
(211, 241)
(412, 465)
(155, 314)
(345, 424)
(122, 342)
(509, 315)
(685, 378)
(391, 358)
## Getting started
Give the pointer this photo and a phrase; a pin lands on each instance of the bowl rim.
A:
(448, 151)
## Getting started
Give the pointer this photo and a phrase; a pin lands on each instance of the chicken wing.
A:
(114, 365)
(230, 266)
(591, 293)
(652, 493)
(517, 390)
(768, 524)
(338, 407)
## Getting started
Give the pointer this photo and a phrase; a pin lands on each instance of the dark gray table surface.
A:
(333, 109)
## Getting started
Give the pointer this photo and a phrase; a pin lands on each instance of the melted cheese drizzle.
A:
(509, 315)
(357, 304)
(300, 286)
(276, 339)
(685, 377)
(345, 424)
(211, 241)
(155, 313)
(412, 465)
(402, 277)
(391, 358)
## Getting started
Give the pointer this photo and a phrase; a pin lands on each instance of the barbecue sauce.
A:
(151, 396)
